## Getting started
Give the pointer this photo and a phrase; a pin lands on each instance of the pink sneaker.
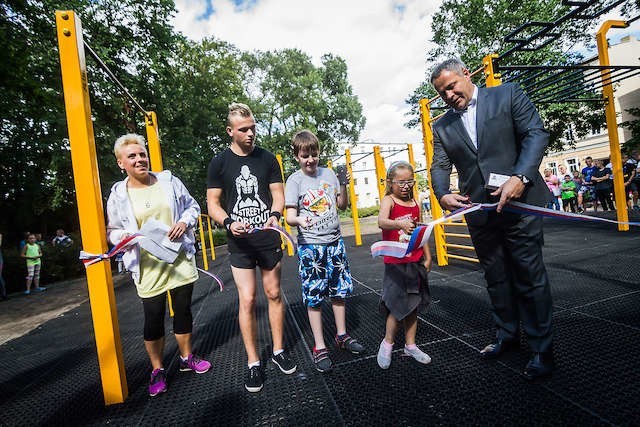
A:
(158, 382)
(194, 363)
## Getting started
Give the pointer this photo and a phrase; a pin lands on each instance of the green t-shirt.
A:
(568, 189)
(33, 250)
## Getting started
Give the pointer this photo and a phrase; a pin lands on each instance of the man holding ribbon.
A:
(495, 139)
(249, 181)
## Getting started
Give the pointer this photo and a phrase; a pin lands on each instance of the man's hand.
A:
(512, 189)
(177, 231)
(451, 202)
(239, 229)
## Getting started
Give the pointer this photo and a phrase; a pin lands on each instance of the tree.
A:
(471, 29)
(133, 38)
(288, 93)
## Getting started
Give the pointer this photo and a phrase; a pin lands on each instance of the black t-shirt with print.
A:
(244, 181)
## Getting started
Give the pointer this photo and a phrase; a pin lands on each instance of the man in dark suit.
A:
(495, 139)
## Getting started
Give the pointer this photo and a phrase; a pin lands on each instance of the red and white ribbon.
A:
(422, 232)
(133, 239)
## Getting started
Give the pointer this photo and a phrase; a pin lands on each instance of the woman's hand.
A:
(177, 231)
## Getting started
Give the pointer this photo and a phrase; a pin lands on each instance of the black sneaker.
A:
(321, 360)
(285, 363)
(345, 342)
(254, 381)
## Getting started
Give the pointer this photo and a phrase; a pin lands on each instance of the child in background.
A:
(311, 196)
(569, 189)
(405, 286)
(32, 253)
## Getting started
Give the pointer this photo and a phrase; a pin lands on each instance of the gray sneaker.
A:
(345, 342)
(384, 356)
(322, 361)
(418, 355)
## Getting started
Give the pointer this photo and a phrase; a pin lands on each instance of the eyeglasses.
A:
(404, 183)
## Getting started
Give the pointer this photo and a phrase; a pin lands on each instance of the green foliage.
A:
(189, 85)
(288, 93)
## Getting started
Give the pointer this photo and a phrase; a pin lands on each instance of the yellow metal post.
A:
(330, 164)
(492, 78)
(381, 172)
(353, 199)
(153, 140)
(90, 208)
(213, 249)
(286, 226)
(412, 162)
(436, 210)
(612, 123)
(205, 261)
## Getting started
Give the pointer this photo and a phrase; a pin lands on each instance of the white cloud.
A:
(383, 42)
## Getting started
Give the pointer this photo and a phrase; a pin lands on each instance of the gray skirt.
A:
(405, 288)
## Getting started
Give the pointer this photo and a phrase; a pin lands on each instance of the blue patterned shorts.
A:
(324, 271)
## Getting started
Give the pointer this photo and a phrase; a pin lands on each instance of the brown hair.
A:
(305, 140)
(391, 173)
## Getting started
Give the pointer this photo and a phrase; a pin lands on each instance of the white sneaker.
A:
(384, 356)
(417, 354)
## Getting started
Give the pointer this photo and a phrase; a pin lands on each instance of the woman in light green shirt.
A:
(32, 253)
(141, 197)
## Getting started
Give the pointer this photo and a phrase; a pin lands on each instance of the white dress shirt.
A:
(468, 117)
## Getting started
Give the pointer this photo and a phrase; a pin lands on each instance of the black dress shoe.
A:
(497, 347)
(540, 365)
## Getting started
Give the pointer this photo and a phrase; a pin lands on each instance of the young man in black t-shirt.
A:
(245, 190)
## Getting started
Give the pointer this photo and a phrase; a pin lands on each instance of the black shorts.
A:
(266, 259)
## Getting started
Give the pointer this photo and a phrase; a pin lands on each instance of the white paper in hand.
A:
(157, 243)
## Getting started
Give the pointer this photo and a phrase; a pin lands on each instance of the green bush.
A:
(362, 212)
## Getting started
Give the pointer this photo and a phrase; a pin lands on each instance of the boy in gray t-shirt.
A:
(311, 197)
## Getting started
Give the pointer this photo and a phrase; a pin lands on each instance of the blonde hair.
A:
(391, 173)
(305, 140)
(238, 109)
(128, 139)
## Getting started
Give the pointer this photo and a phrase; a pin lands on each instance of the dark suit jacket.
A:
(511, 140)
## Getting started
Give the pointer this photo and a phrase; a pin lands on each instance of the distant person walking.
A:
(33, 254)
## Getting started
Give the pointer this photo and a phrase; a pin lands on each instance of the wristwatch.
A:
(522, 178)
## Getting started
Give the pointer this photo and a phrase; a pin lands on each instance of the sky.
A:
(384, 43)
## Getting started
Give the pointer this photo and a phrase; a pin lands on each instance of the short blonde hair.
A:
(128, 139)
(238, 109)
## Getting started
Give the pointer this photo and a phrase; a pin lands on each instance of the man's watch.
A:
(522, 178)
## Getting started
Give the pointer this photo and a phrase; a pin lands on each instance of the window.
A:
(366, 180)
(355, 181)
(573, 164)
(364, 164)
(553, 167)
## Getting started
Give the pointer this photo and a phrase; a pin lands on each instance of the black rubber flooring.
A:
(50, 376)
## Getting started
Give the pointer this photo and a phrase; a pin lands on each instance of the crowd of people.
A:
(593, 185)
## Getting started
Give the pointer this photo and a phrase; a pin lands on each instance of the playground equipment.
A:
(549, 89)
